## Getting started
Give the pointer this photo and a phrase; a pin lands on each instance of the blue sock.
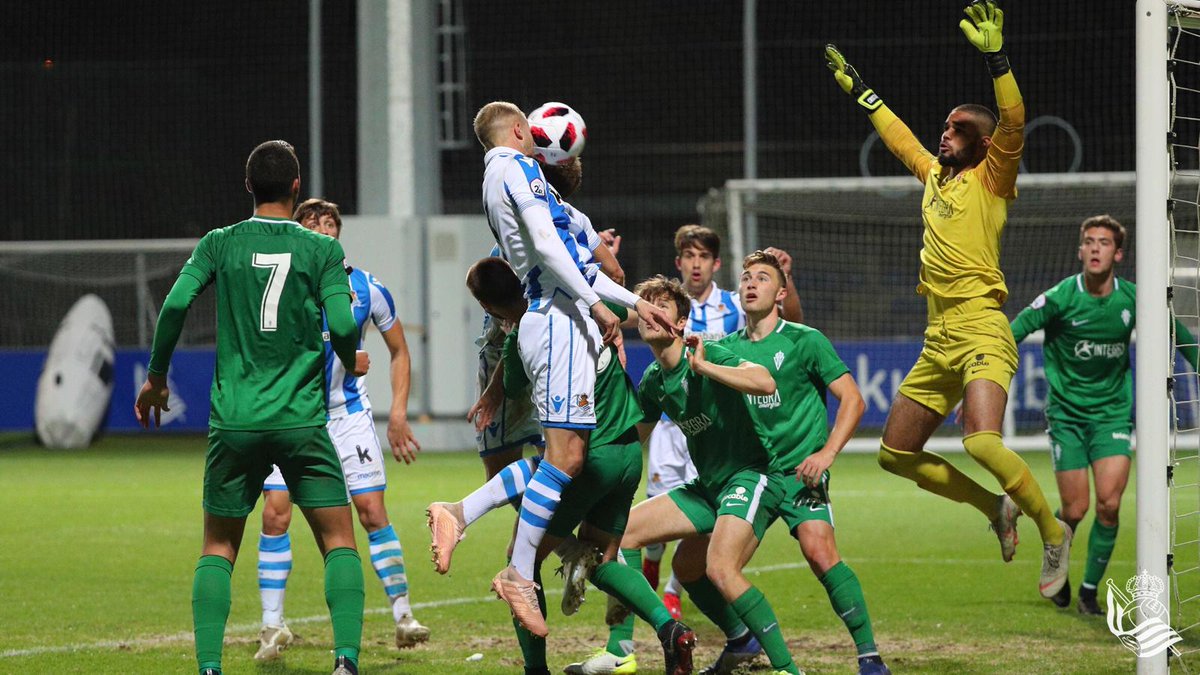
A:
(537, 508)
(274, 566)
(506, 487)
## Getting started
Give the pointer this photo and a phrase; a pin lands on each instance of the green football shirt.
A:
(721, 435)
(617, 408)
(1086, 349)
(272, 277)
(793, 422)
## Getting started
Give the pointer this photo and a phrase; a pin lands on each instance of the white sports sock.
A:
(654, 552)
(673, 586)
(506, 487)
(537, 508)
(274, 566)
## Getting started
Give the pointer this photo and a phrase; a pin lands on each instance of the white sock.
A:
(673, 586)
(274, 566)
(537, 508)
(654, 552)
(388, 560)
(506, 487)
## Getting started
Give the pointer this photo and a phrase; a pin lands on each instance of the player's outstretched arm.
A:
(1035, 317)
(984, 28)
(895, 134)
(748, 378)
(850, 411)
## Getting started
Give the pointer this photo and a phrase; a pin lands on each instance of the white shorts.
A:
(515, 424)
(669, 463)
(358, 450)
(559, 352)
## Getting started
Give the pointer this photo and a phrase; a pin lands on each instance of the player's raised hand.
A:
(848, 79)
(984, 27)
(655, 316)
(696, 361)
(400, 436)
(153, 396)
(362, 363)
(784, 258)
(611, 239)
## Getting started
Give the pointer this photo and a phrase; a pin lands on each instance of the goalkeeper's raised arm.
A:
(971, 135)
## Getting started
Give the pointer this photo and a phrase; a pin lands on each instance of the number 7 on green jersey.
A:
(280, 264)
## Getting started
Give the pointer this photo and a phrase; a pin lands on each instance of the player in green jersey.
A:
(735, 495)
(1088, 319)
(272, 278)
(793, 423)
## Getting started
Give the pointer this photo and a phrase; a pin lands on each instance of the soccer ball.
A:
(559, 133)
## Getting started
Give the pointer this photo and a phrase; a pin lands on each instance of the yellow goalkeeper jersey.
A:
(964, 215)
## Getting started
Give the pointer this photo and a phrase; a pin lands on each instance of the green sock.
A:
(630, 587)
(846, 596)
(757, 614)
(210, 608)
(709, 601)
(1100, 547)
(533, 648)
(344, 596)
(620, 636)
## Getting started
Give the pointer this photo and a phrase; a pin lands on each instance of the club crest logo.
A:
(1126, 316)
(1154, 634)
(778, 360)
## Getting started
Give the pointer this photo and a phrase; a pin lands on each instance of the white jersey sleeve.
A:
(582, 227)
(383, 308)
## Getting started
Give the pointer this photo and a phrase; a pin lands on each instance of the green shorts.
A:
(802, 503)
(238, 462)
(752, 496)
(603, 492)
(1076, 445)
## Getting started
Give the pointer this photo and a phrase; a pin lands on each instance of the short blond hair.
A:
(491, 118)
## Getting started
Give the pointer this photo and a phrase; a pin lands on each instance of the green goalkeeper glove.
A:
(984, 30)
(848, 79)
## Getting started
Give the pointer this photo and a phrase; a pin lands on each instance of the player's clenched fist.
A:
(362, 363)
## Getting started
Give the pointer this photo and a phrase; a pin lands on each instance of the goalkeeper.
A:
(969, 354)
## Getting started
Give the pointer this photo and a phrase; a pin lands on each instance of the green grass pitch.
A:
(98, 549)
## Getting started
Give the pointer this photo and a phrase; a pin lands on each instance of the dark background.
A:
(141, 123)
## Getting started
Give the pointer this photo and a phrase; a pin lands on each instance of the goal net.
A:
(40, 281)
(855, 244)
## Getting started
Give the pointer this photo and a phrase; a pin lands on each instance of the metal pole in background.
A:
(1153, 315)
(316, 179)
(750, 118)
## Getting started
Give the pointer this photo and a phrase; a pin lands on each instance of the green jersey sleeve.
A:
(1035, 317)
(334, 278)
(515, 379)
(651, 411)
(202, 265)
(719, 355)
(822, 360)
(621, 312)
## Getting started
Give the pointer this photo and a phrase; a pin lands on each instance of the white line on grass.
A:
(253, 627)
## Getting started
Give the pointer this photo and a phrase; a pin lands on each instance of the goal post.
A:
(1152, 398)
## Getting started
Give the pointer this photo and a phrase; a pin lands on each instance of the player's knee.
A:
(984, 445)
(895, 461)
(1108, 508)
(821, 555)
(373, 518)
(722, 574)
(1073, 511)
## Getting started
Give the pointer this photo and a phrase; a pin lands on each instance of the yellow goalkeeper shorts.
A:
(967, 339)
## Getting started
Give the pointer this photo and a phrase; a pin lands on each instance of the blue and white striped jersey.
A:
(719, 315)
(346, 394)
(522, 212)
